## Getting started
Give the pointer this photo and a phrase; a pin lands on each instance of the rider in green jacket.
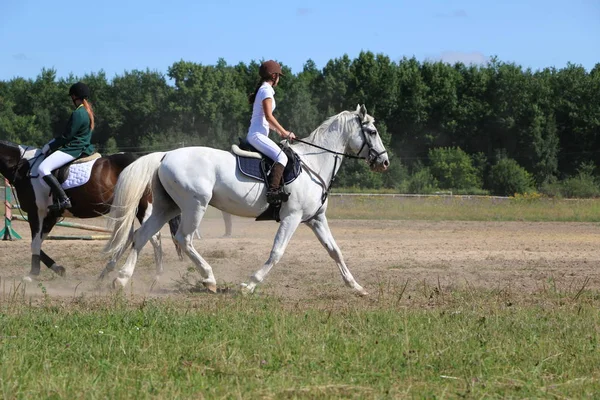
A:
(72, 144)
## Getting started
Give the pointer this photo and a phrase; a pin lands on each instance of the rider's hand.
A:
(289, 136)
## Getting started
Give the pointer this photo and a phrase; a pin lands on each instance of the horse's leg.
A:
(287, 227)
(112, 263)
(50, 263)
(227, 220)
(36, 245)
(47, 226)
(158, 255)
(173, 226)
(191, 218)
(320, 227)
(156, 244)
(141, 236)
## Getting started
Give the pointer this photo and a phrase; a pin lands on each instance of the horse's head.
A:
(366, 142)
(14, 160)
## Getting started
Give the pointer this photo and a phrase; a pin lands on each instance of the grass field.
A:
(478, 334)
(471, 344)
(457, 208)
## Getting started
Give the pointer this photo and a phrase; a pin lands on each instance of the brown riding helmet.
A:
(268, 68)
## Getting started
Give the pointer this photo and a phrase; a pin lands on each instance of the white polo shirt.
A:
(258, 122)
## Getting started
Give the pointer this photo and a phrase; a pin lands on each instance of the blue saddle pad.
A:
(258, 169)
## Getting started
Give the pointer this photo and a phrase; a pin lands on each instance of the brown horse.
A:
(18, 164)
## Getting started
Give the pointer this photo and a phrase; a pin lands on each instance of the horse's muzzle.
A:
(379, 163)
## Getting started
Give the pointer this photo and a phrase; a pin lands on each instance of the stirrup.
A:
(62, 205)
(277, 196)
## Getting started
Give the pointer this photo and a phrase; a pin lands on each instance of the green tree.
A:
(453, 168)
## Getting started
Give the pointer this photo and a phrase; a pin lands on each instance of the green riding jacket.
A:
(76, 140)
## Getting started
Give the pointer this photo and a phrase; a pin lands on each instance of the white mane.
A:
(325, 126)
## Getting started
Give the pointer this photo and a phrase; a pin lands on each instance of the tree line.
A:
(496, 128)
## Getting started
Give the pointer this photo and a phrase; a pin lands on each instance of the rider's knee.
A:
(282, 159)
(43, 171)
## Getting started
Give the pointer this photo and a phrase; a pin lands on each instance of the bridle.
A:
(372, 155)
(17, 176)
(19, 164)
(371, 158)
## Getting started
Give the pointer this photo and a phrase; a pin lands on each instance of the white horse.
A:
(188, 180)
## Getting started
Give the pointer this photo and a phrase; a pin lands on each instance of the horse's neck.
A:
(335, 138)
(10, 155)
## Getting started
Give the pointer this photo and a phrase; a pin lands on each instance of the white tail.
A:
(131, 186)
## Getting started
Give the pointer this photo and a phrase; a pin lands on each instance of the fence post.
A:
(8, 233)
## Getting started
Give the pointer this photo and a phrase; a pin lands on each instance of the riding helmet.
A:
(268, 68)
(79, 90)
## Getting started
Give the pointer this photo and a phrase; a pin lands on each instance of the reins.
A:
(371, 158)
(337, 153)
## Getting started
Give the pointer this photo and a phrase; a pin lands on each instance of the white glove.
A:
(46, 148)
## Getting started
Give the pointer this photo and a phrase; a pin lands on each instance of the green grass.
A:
(456, 208)
(463, 209)
(437, 344)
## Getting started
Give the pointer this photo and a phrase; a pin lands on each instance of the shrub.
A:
(507, 177)
(583, 185)
(453, 168)
(422, 182)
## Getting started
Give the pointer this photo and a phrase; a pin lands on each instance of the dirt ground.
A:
(523, 256)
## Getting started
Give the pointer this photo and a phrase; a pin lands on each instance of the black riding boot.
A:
(61, 201)
(274, 193)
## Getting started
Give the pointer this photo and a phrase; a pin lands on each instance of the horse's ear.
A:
(357, 107)
(362, 112)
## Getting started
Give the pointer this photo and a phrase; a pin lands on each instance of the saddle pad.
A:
(79, 174)
(251, 167)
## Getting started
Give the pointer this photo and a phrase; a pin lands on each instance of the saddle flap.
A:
(62, 174)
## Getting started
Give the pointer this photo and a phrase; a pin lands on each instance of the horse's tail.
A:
(133, 183)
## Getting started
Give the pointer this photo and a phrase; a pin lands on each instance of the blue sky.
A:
(88, 36)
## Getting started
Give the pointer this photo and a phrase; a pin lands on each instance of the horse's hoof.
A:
(210, 286)
(119, 283)
(59, 270)
(27, 279)
(362, 292)
(246, 289)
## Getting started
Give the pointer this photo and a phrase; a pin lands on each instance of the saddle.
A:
(62, 173)
(256, 165)
(253, 164)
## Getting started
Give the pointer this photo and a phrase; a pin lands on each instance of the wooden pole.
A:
(8, 233)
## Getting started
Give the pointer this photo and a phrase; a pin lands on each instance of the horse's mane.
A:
(324, 127)
(6, 143)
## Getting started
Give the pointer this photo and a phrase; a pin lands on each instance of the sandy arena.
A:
(522, 256)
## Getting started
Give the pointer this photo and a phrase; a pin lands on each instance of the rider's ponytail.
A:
(252, 96)
(90, 111)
